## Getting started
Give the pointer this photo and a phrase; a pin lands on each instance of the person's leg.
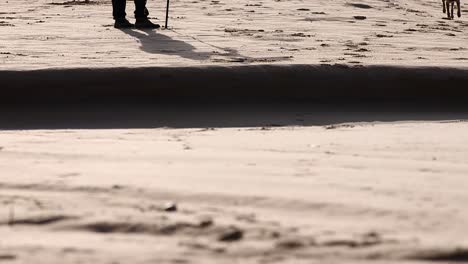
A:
(140, 9)
(118, 11)
(141, 15)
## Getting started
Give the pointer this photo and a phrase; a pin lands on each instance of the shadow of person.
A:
(155, 43)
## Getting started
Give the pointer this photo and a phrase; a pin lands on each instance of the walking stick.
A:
(167, 14)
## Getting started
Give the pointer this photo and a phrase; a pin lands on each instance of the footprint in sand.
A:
(292, 243)
(7, 257)
(69, 175)
(254, 5)
(301, 35)
(73, 2)
(384, 36)
(231, 234)
(360, 17)
(359, 5)
(5, 24)
(362, 50)
(355, 55)
(39, 220)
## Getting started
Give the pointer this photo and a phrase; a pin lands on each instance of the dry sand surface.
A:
(275, 185)
(234, 187)
(67, 33)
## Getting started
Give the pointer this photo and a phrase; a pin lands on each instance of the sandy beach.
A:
(64, 34)
(100, 180)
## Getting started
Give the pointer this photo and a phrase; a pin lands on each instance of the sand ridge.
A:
(246, 83)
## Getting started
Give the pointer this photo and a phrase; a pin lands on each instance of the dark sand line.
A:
(236, 83)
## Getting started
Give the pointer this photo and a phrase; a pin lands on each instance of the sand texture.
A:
(153, 183)
(66, 33)
(267, 185)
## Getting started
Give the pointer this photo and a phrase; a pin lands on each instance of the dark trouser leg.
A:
(140, 9)
(118, 9)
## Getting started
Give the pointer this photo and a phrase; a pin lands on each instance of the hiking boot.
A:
(123, 23)
(145, 23)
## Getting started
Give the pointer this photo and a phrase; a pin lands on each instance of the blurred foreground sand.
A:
(247, 189)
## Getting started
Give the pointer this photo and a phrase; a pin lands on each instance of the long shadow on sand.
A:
(155, 43)
(178, 115)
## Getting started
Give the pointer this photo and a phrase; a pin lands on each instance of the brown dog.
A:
(448, 5)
